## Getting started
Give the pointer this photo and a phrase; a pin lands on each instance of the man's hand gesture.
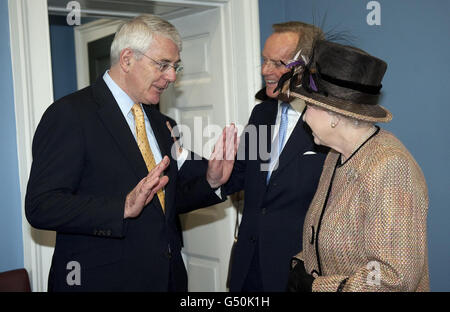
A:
(221, 162)
(144, 191)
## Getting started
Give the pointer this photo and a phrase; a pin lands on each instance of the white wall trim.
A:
(242, 28)
(33, 93)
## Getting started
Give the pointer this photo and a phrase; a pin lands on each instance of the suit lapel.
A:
(297, 143)
(268, 119)
(113, 119)
(158, 124)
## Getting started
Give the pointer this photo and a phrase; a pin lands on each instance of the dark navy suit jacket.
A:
(85, 162)
(272, 221)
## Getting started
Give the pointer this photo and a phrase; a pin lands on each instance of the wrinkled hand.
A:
(299, 280)
(221, 162)
(144, 191)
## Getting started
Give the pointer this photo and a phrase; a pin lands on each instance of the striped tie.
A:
(144, 146)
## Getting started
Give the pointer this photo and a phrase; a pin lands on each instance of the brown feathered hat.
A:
(342, 79)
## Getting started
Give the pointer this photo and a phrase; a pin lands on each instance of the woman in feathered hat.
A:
(366, 226)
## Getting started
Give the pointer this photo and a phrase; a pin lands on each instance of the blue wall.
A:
(62, 44)
(11, 246)
(413, 40)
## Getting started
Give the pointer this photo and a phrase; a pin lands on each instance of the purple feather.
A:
(295, 63)
(312, 84)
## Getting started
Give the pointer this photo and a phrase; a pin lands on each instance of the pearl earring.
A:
(333, 125)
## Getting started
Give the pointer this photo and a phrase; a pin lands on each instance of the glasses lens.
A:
(178, 68)
(276, 64)
(163, 67)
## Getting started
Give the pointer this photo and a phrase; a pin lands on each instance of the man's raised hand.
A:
(221, 162)
(144, 191)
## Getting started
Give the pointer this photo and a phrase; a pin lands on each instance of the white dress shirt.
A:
(125, 103)
(293, 117)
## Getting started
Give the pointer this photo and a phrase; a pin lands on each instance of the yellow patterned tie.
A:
(144, 146)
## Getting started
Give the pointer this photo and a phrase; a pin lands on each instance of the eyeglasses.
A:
(164, 66)
(277, 64)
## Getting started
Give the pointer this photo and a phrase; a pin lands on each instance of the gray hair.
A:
(137, 35)
(307, 34)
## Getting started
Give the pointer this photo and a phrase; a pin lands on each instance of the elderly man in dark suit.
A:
(278, 189)
(104, 176)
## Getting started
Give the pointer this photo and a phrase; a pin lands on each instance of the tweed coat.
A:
(372, 232)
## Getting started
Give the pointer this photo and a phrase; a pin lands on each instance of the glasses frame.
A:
(164, 66)
(278, 64)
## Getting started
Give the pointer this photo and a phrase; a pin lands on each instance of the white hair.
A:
(137, 35)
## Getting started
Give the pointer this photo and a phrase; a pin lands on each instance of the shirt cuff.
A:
(182, 158)
(219, 193)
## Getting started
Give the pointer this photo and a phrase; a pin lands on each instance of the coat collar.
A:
(113, 119)
(298, 142)
(165, 141)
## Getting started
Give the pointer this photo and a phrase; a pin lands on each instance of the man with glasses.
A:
(278, 190)
(104, 176)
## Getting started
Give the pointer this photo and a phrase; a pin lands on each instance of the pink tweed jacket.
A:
(371, 235)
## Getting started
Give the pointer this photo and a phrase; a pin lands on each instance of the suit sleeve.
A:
(193, 190)
(52, 201)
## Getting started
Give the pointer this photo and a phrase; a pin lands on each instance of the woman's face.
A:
(319, 121)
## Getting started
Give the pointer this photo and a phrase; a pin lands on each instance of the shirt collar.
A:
(123, 100)
(293, 110)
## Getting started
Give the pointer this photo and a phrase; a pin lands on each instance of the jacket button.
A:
(253, 239)
(264, 211)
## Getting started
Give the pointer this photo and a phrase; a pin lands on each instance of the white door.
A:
(198, 102)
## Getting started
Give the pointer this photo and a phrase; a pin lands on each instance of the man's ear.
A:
(126, 59)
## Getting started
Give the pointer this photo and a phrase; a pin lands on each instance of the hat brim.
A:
(365, 112)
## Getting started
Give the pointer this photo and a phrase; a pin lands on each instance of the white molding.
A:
(243, 78)
(242, 28)
(85, 34)
(33, 93)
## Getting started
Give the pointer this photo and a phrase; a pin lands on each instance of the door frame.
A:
(33, 89)
(83, 35)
